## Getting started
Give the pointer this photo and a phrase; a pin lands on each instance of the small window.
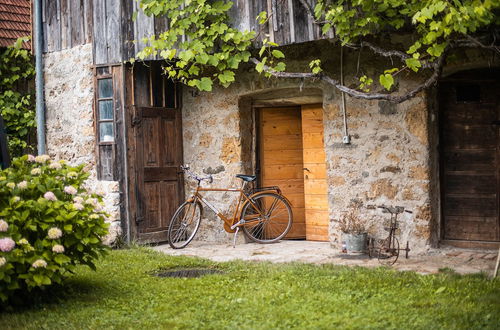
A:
(105, 110)
(105, 123)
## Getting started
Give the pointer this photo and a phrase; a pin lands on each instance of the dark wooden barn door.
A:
(159, 154)
(470, 143)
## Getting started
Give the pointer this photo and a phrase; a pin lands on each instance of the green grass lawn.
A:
(122, 294)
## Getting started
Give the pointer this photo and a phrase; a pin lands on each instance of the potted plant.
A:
(354, 230)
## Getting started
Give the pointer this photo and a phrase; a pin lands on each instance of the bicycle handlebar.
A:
(394, 209)
(185, 169)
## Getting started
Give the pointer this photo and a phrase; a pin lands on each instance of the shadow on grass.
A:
(73, 290)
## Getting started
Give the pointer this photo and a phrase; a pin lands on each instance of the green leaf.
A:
(386, 80)
(277, 54)
(441, 289)
(413, 64)
(205, 84)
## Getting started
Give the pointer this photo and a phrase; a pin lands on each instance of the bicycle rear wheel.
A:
(268, 219)
(184, 225)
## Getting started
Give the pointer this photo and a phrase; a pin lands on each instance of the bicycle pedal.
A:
(234, 239)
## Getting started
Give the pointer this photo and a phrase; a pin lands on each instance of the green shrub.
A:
(49, 223)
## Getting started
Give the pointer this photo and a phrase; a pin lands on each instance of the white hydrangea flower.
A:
(54, 233)
(22, 185)
(78, 199)
(55, 166)
(3, 261)
(58, 248)
(16, 199)
(23, 241)
(40, 263)
(42, 159)
(4, 226)
(11, 185)
(36, 171)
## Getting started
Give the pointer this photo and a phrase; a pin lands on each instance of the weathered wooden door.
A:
(315, 186)
(281, 163)
(159, 183)
(470, 144)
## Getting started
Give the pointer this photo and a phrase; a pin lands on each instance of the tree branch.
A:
(310, 11)
(390, 53)
(474, 42)
(437, 68)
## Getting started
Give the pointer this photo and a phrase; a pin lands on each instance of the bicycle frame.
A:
(242, 201)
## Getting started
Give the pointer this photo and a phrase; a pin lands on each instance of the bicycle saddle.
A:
(247, 178)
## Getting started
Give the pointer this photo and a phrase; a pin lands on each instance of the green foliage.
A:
(201, 48)
(49, 223)
(207, 49)
(16, 104)
(434, 24)
(123, 294)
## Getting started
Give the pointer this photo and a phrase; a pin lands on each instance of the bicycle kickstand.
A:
(234, 239)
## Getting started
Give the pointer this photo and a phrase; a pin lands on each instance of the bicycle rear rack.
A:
(270, 188)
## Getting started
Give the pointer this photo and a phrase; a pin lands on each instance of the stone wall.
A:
(387, 162)
(69, 97)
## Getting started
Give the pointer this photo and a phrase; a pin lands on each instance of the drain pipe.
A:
(346, 139)
(40, 106)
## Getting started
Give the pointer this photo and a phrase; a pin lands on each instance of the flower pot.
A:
(355, 242)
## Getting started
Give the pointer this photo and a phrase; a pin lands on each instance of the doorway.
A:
(291, 155)
(470, 156)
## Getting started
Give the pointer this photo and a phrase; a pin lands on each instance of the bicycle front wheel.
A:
(184, 225)
(267, 219)
(389, 252)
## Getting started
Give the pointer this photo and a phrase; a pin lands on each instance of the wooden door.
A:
(470, 156)
(314, 170)
(280, 144)
(158, 157)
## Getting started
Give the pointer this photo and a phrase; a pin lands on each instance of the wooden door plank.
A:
(315, 185)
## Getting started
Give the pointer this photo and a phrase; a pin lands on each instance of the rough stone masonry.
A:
(69, 97)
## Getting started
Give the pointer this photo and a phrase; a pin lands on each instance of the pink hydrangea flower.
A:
(40, 263)
(4, 226)
(58, 248)
(54, 233)
(49, 195)
(31, 158)
(70, 190)
(78, 206)
(22, 185)
(7, 244)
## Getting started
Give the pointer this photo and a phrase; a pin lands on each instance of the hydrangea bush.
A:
(49, 223)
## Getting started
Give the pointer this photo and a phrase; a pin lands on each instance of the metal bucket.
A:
(355, 242)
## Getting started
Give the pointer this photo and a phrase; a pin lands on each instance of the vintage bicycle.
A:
(263, 214)
(387, 250)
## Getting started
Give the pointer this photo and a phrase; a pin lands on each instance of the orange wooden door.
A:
(281, 161)
(315, 185)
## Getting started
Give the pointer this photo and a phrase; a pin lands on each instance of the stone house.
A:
(436, 154)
